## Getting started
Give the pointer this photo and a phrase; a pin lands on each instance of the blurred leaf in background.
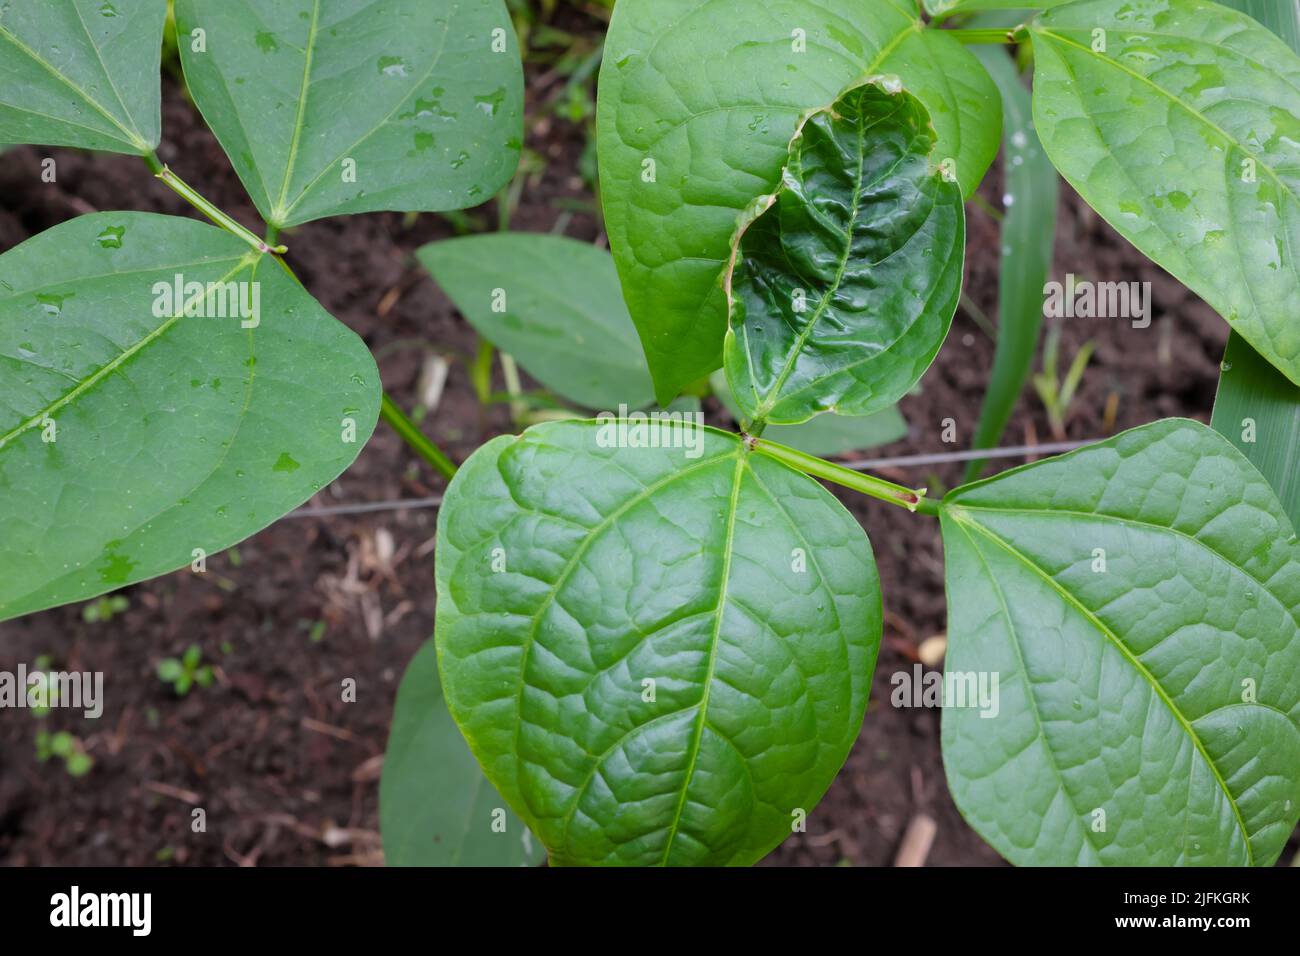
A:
(435, 806)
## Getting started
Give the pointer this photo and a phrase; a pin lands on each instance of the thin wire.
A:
(1052, 448)
(944, 458)
(366, 507)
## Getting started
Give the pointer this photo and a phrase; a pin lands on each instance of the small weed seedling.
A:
(67, 748)
(104, 609)
(185, 673)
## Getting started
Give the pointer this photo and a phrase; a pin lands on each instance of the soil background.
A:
(286, 772)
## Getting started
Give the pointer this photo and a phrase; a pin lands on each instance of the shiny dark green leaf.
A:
(435, 806)
(846, 280)
(660, 656)
(82, 73)
(1138, 602)
(698, 102)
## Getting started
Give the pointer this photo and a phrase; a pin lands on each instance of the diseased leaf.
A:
(555, 305)
(1137, 601)
(1184, 133)
(134, 439)
(846, 280)
(826, 435)
(329, 107)
(1028, 239)
(82, 73)
(698, 102)
(435, 806)
(658, 655)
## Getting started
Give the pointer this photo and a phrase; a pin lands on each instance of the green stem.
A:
(983, 36)
(411, 434)
(911, 499)
(191, 195)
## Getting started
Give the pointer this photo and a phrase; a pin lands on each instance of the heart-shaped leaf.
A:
(698, 102)
(660, 655)
(135, 439)
(844, 283)
(435, 806)
(1179, 122)
(328, 107)
(556, 307)
(1133, 607)
(82, 73)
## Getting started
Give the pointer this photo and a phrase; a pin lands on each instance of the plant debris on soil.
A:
(285, 771)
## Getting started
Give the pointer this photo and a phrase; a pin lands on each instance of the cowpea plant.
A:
(658, 638)
(168, 388)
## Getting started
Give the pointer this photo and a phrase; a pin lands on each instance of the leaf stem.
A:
(191, 195)
(909, 498)
(983, 36)
(411, 434)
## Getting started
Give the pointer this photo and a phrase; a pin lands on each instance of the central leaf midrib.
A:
(773, 396)
(299, 120)
(719, 611)
(1124, 650)
(570, 566)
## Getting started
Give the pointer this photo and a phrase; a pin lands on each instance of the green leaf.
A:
(660, 655)
(826, 435)
(435, 806)
(846, 280)
(328, 107)
(711, 92)
(82, 73)
(564, 319)
(1028, 234)
(1255, 400)
(1185, 136)
(131, 435)
(170, 670)
(1138, 602)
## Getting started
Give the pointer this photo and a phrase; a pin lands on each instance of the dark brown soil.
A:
(285, 771)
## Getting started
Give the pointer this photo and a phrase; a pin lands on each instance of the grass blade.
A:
(1030, 219)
